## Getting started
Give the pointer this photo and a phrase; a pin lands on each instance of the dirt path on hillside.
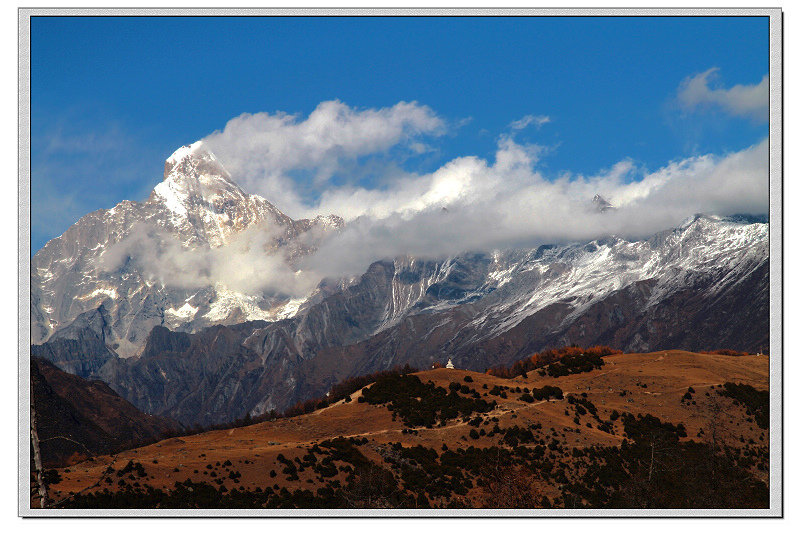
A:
(497, 413)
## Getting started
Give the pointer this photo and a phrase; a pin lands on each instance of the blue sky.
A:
(112, 98)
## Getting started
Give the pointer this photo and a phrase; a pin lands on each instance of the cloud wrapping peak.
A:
(511, 204)
(248, 264)
(750, 101)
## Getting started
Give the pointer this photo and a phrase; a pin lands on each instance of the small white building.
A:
(449, 363)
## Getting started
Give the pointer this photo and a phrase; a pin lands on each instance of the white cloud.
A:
(263, 150)
(246, 264)
(527, 120)
(751, 101)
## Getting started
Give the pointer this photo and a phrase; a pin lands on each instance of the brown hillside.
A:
(638, 384)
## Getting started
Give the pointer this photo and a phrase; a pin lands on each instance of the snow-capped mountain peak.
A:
(194, 176)
(196, 208)
(197, 149)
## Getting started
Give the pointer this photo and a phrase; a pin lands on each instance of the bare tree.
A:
(37, 456)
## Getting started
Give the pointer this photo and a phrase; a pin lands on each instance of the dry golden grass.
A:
(253, 450)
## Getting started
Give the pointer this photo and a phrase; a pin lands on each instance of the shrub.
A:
(51, 477)
(548, 391)
(732, 353)
(756, 401)
(340, 391)
(573, 363)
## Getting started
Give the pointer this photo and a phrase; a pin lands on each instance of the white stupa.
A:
(449, 363)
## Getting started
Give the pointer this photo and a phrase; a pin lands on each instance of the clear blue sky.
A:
(112, 98)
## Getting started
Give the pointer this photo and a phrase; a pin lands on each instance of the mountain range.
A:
(132, 295)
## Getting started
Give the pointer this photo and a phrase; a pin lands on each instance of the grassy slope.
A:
(653, 383)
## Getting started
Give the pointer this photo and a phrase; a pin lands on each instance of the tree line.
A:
(568, 356)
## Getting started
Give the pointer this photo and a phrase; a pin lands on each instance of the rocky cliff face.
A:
(81, 347)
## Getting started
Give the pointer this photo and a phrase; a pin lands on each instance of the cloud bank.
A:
(468, 204)
(511, 204)
(750, 101)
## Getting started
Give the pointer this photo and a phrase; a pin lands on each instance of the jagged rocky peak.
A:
(193, 175)
(203, 203)
(194, 160)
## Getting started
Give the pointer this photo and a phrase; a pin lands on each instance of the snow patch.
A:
(185, 312)
(197, 148)
(173, 197)
(290, 309)
(227, 302)
(501, 277)
(110, 292)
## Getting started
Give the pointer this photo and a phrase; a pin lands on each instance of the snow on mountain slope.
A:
(715, 248)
